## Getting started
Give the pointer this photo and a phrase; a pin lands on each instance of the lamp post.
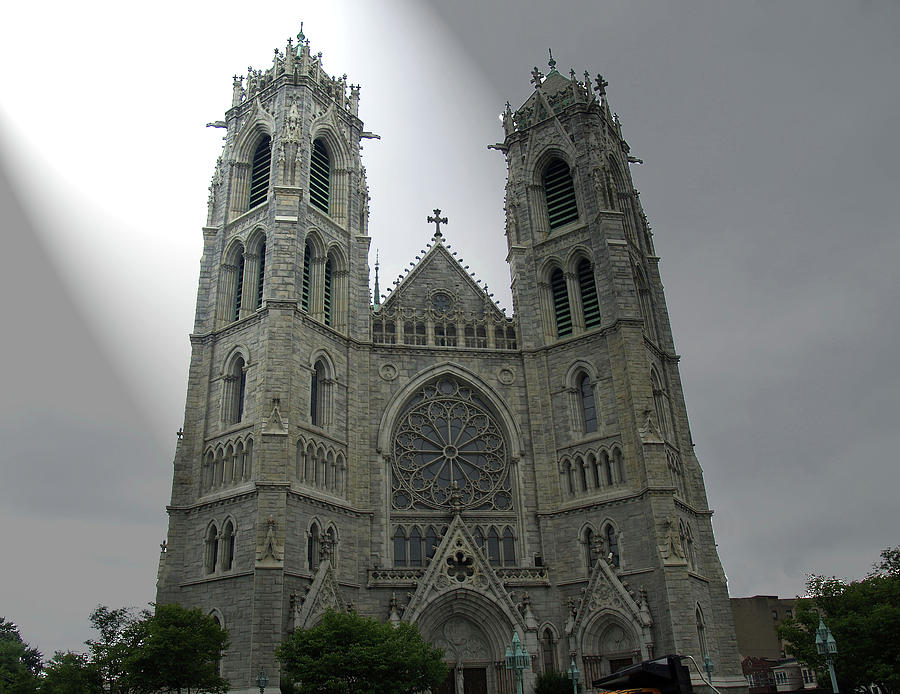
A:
(827, 646)
(516, 659)
(573, 675)
(709, 667)
(262, 680)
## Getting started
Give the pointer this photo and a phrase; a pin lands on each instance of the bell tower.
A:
(600, 365)
(283, 290)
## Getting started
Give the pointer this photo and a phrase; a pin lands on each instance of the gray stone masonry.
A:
(429, 459)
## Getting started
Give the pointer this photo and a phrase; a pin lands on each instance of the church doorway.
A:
(464, 680)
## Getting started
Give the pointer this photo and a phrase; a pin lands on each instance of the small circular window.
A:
(441, 302)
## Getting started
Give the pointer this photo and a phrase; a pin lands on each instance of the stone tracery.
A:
(448, 450)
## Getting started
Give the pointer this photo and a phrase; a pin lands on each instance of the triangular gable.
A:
(324, 594)
(459, 564)
(437, 270)
(606, 592)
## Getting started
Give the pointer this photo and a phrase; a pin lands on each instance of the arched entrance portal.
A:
(473, 632)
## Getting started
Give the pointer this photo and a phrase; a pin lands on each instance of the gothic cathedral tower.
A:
(532, 474)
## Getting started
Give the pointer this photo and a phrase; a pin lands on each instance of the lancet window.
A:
(212, 549)
(235, 390)
(260, 172)
(590, 303)
(320, 177)
(305, 282)
(559, 189)
(561, 310)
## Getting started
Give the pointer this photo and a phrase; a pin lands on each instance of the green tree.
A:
(552, 682)
(348, 653)
(71, 673)
(19, 663)
(864, 617)
(176, 649)
(117, 629)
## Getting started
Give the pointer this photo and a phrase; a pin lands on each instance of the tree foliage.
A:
(19, 663)
(177, 649)
(864, 617)
(347, 653)
(71, 673)
(118, 638)
(552, 682)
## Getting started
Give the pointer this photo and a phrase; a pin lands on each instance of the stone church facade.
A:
(426, 458)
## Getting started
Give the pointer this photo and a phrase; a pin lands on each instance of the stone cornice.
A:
(332, 505)
(227, 497)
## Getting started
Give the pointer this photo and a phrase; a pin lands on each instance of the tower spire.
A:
(551, 62)
(377, 289)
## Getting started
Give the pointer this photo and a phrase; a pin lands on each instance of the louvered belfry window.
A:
(304, 291)
(562, 207)
(261, 277)
(259, 174)
(320, 177)
(590, 304)
(561, 310)
(327, 293)
(238, 288)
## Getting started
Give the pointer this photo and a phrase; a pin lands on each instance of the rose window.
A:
(449, 451)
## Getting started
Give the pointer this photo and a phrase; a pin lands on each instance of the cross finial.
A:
(437, 220)
(536, 77)
(551, 62)
(301, 36)
(602, 84)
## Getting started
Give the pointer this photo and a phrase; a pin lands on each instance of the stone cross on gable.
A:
(437, 220)
(602, 84)
(536, 77)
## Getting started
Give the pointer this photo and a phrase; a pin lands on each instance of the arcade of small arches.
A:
(227, 464)
(592, 472)
(414, 546)
(408, 326)
(320, 466)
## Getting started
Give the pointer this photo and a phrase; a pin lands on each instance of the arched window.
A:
(415, 547)
(228, 546)
(238, 287)
(582, 474)
(313, 546)
(589, 548)
(612, 544)
(619, 466)
(212, 549)
(588, 408)
(493, 547)
(561, 311)
(305, 281)
(431, 542)
(660, 404)
(399, 547)
(318, 391)
(328, 297)
(590, 303)
(570, 478)
(548, 651)
(261, 274)
(235, 390)
(320, 177)
(687, 542)
(701, 632)
(509, 548)
(259, 174)
(479, 539)
(562, 207)
(644, 303)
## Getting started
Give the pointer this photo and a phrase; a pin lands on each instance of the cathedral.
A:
(425, 458)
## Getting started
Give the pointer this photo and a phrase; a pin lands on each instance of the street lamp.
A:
(262, 680)
(516, 659)
(573, 675)
(827, 646)
(709, 667)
